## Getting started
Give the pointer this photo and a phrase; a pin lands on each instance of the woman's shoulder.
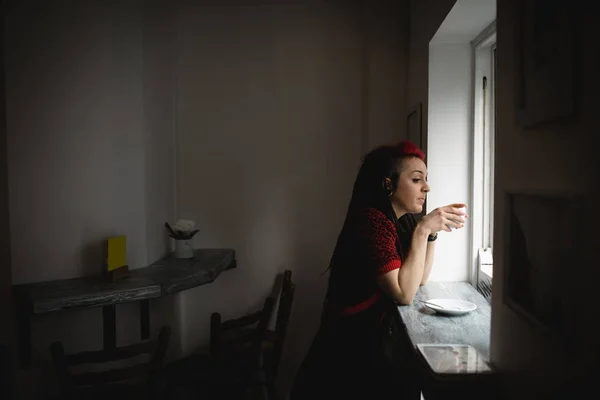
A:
(374, 219)
(375, 214)
(371, 216)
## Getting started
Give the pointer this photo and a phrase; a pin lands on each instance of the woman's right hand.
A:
(444, 218)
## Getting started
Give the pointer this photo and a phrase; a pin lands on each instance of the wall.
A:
(89, 125)
(449, 143)
(159, 80)
(560, 157)
(159, 77)
(557, 157)
(75, 138)
(440, 78)
(275, 106)
(6, 333)
(102, 97)
(426, 16)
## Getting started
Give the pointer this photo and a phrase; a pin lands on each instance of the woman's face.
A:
(412, 187)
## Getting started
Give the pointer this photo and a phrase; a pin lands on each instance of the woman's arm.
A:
(402, 284)
(428, 262)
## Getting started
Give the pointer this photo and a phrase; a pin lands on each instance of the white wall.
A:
(449, 127)
(268, 109)
(159, 77)
(426, 16)
(88, 136)
(275, 107)
(6, 310)
(449, 149)
(75, 138)
(268, 142)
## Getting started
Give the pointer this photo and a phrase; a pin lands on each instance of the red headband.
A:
(407, 148)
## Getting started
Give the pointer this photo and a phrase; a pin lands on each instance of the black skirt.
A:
(352, 357)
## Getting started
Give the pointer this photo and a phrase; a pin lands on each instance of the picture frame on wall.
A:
(544, 63)
(414, 125)
(536, 250)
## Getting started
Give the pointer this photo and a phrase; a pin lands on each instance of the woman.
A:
(381, 258)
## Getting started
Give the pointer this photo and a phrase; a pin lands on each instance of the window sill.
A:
(424, 326)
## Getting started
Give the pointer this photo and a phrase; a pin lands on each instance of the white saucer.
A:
(450, 306)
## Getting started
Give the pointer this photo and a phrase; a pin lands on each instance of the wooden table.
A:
(162, 278)
(423, 326)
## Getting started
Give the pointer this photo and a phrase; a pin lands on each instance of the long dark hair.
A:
(381, 164)
(378, 178)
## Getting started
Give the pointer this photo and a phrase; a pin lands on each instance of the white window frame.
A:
(482, 201)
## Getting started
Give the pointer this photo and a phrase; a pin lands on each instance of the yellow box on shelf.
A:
(116, 259)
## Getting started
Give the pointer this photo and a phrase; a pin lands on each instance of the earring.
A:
(386, 186)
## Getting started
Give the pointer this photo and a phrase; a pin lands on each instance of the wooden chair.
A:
(140, 380)
(244, 354)
(6, 374)
(274, 341)
(270, 350)
(235, 355)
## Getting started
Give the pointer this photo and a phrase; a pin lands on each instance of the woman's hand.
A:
(444, 219)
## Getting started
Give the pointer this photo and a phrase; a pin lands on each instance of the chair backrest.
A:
(69, 381)
(6, 373)
(286, 300)
(228, 337)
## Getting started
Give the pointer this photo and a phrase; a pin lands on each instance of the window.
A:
(482, 207)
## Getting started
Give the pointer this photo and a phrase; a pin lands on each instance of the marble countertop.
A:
(425, 326)
(164, 277)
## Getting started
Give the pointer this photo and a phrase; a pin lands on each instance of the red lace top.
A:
(366, 247)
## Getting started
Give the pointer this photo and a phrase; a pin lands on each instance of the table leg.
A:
(109, 317)
(145, 319)
(24, 338)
